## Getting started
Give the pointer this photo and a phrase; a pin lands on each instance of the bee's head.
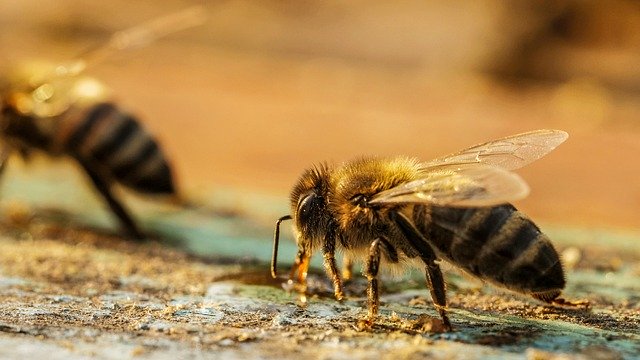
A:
(10, 119)
(18, 120)
(41, 89)
(23, 92)
(310, 211)
(23, 85)
(309, 206)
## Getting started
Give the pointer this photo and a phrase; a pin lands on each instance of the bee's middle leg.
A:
(331, 268)
(371, 272)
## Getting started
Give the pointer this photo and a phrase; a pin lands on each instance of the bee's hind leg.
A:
(435, 280)
(104, 189)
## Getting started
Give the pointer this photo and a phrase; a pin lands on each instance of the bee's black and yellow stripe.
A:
(498, 243)
(115, 142)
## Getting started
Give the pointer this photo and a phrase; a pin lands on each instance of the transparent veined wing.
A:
(509, 153)
(57, 85)
(470, 185)
(135, 37)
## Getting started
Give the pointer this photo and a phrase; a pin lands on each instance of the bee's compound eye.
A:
(308, 206)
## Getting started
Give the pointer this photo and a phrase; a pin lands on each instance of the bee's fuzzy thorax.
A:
(374, 174)
(364, 178)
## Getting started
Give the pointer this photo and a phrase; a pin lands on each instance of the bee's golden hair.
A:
(367, 177)
(313, 179)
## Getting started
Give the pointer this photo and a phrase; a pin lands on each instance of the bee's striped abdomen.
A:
(499, 244)
(116, 143)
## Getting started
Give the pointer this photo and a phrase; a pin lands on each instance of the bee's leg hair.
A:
(329, 255)
(435, 281)
(116, 207)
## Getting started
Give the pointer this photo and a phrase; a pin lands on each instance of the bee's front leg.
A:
(329, 251)
(298, 275)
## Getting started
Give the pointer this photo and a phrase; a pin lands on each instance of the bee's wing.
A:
(509, 153)
(135, 37)
(471, 185)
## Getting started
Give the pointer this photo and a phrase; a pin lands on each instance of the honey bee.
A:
(55, 109)
(455, 208)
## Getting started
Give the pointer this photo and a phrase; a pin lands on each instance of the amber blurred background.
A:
(265, 88)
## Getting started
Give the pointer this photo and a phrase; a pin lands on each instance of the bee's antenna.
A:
(276, 240)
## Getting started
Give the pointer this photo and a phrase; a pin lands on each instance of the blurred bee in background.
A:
(55, 109)
(455, 208)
